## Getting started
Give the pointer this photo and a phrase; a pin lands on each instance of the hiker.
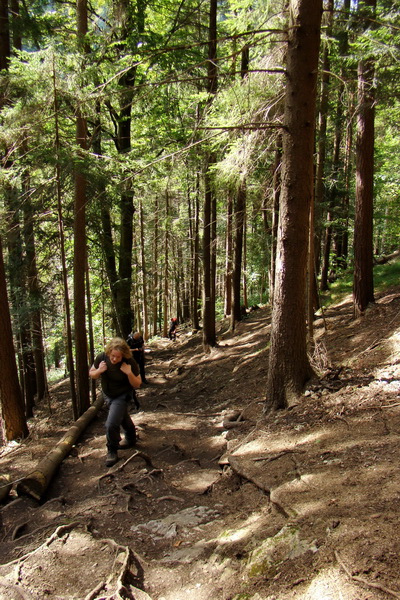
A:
(135, 342)
(119, 377)
(172, 328)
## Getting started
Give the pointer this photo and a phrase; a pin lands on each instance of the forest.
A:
(191, 160)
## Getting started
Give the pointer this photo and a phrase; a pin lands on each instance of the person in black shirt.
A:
(120, 376)
(135, 342)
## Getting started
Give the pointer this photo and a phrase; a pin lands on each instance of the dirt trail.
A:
(219, 501)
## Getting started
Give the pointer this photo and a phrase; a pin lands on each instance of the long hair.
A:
(119, 345)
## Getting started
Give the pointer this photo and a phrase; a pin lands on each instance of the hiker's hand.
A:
(125, 368)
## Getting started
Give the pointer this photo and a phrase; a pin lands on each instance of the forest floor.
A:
(220, 501)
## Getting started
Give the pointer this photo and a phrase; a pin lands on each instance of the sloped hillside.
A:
(220, 501)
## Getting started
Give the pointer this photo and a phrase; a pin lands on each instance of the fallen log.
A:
(36, 483)
(382, 260)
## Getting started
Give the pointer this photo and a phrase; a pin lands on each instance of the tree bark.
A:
(228, 256)
(5, 47)
(82, 376)
(12, 406)
(36, 483)
(276, 191)
(155, 270)
(144, 274)
(363, 283)
(19, 299)
(34, 301)
(240, 207)
(68, 327)
(322, 136)
(166, 266)
(209, 239)
(196, 257)
(289, 367)
(209, 334)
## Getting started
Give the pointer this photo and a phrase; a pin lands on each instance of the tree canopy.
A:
(182, 121)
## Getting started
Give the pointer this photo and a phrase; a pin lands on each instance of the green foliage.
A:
(338, 290)
(155, 63)
(387, 275)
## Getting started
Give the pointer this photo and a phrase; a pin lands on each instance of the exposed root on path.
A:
(59, 532)
(123, 587)
(137, 454)
(363, 581)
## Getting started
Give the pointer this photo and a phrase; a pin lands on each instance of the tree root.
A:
(92, 595)
(56, 534)
(363, 581)
(123, 588)
(172, 498)
(17, 529)
(137, 454)
(34, 532)
(276, 456)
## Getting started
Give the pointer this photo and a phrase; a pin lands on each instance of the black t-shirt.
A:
(113, 381)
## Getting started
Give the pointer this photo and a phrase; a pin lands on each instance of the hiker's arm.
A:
(134, 380)
(95, 373)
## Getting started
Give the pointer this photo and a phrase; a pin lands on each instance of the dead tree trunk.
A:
(36, 483)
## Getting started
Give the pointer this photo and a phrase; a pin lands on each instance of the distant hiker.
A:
(135, 342)
(172, 328)
(119, 377)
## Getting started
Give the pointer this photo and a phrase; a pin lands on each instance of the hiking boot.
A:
(125, 444)
(111, 458)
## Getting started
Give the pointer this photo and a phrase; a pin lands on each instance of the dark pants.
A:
(118, 417)
(139, 357)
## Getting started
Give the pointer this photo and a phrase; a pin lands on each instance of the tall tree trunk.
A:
(341, 234)
(34, 301)
(68, 327)
(166, 266)
(82, 376)
(209, 238)
(125, 265)
(93, 387)
(12, 406)
(127, 209)
(363, 284)
(244, 256)
(5, 48)
(196, 257)
(322, 135)
(209, 334)
(19, 298)
(240, 207)
(228, 256)
(107, 243)
(331, 230)
(16, 25)
(289, 367)
(276, 191)
(155, 270)
(325, 258)
(190, 275)
(17, 279)
(121, 281)
(144, 273)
